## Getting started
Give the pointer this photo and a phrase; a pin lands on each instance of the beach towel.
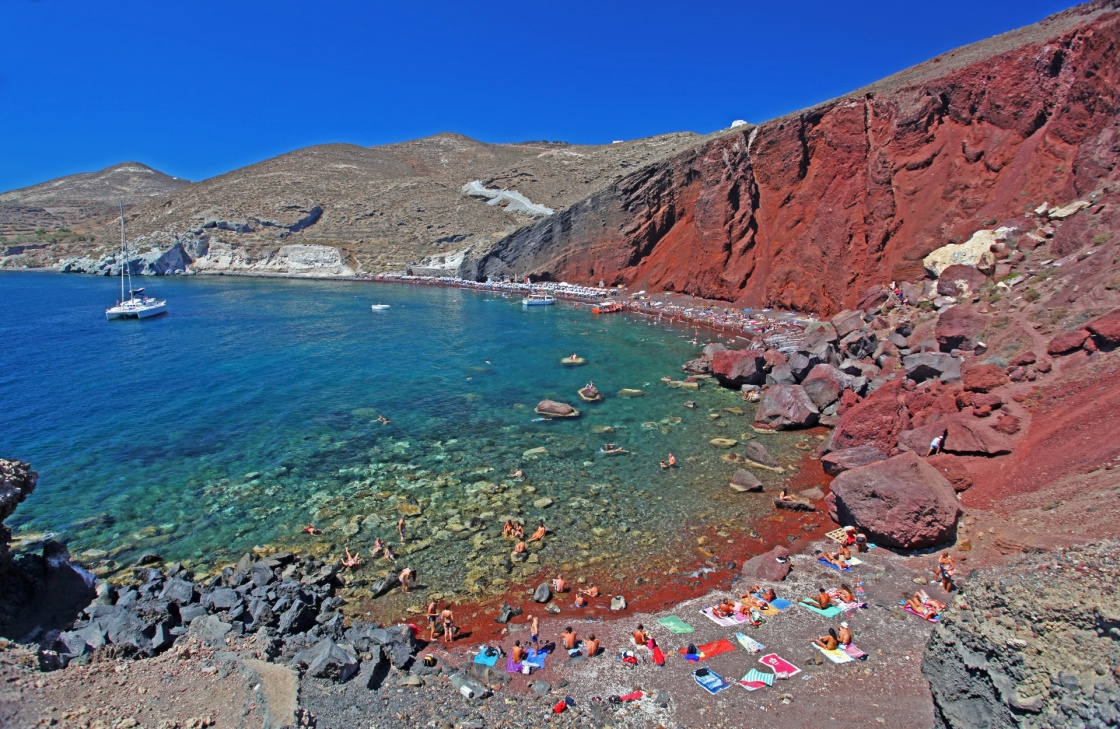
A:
(512, 667)
(835, 655)
(658, 656)
(847, 607)
(632, 696)
(855, 561)
(831, 612)
(780, 604)
(749, 644)
(826, 563)
(709, 680)
(854, 652)
(675, 625)
(781, 666)
(535, 658)
(736, 618)
(912, 611)
(487, 660)
(756, 679)
(723, 645)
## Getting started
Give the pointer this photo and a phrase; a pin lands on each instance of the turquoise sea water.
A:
(251, 409)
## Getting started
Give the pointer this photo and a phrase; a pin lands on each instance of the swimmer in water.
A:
(351, 561)
(538, 535)
(310, 529)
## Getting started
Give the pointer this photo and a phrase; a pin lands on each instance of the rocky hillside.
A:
(347, 208)
(805, 211)
(78, 200)
(1033, 644)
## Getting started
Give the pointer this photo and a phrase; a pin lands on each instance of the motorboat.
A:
(541, 299)
(138, 305)
(606, 307)
(379, 307)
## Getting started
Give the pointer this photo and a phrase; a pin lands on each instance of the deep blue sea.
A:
(251, 409)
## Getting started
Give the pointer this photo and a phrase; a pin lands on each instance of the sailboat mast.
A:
(125, 268)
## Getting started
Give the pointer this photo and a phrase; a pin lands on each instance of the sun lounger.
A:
(675, 625)
(756, 679)
(749, 644)
(836, 655)
(709, 680)
(782, 667)
(831, 612)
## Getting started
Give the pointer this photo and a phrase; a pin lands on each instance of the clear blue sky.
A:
(199, 87)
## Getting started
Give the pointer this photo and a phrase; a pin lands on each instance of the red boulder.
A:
(735, 368)
(1067, 342)
(785, 407)
(876, 421)
(901, 502)
(1106, 329)
(959, 279)
(823, 384)
(837, 462)
(958, 328)
(773, 566)
(968, 438)
(983, 378)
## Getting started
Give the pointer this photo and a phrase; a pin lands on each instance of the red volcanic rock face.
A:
(811, 210)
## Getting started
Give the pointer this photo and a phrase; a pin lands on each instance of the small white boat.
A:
(538, 300)
(138, 305)
(379, 307)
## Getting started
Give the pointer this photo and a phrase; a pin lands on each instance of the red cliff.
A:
(806, 211)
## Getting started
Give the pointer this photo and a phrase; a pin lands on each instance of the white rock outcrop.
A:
(976, 251)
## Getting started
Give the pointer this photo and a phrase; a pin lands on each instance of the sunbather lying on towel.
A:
(839, 558)
(924, 605)
(830, 641)
(766, 595)
(845, 594)
(725, 609)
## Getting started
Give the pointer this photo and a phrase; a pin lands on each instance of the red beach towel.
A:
(723, 645)
(658, 656)
(779, 664)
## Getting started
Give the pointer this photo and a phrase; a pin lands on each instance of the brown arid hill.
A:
(381, 206)
(38, 224)
(806, 211)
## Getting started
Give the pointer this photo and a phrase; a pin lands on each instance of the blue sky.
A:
(198, 87)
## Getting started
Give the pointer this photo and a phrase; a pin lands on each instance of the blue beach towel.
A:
(485, 660)
(709, 680)
(780, 604)
(831, 612)
(535, 659)
(826, 563)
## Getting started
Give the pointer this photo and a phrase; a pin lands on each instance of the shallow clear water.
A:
(251, 409)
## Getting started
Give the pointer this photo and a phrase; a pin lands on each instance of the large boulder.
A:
(1067, 342)
(984, 378)
(960, 280)
(755, 454)
(553, 409)
(875, 421)
(773, 566)
(924, 366)
(957, 328)
(327, 659)
(735, 368)
(846, 322)
(823, 385)
(744, 481)
(837, 462)
(966, 438)
(1106, 329)
(901, 502)
(784, 407)
(976, 252)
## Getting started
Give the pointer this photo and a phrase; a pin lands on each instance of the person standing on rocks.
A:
(946, 568)
(433, 619)
(448, 619)
(534, 630)
(406, 577)
(400, 528)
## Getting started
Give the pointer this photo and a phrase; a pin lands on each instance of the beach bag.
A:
(429, 661)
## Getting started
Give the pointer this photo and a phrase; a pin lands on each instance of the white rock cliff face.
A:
(293, 260)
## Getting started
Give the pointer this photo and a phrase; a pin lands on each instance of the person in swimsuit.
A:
(534, 630)
(310, 529)
(448, 620)
(559, 585)
(845, 593)
(945, 570)
(518, 652)
(519, 548)
(581, 601)
(591, 646)
(590, 591)
(925, 605)
(518, 531)
(539, 533)
(822, 600)
(378, 545)
(406, 576)
(351, 561)
(389, 554)
(570, 639)
(400, 528)
(844, 636)
(828, 642)
(640, 636)
(507, 529)
(433, 617)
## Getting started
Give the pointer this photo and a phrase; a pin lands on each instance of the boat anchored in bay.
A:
(138, 305)
(541, 299)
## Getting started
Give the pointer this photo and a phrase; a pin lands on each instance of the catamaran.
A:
(138, 305)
